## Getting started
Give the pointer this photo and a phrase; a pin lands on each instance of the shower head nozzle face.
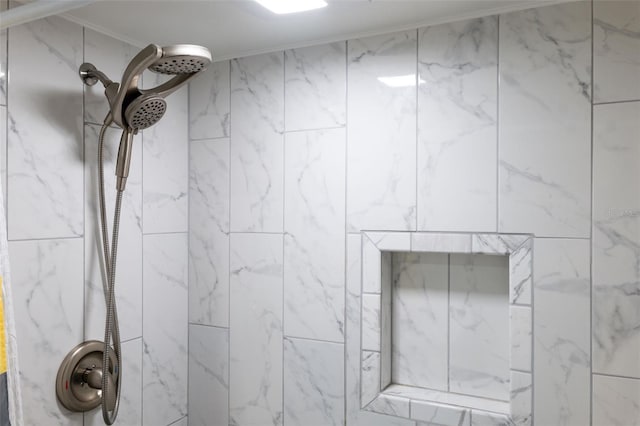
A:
(145, 112)
(182, 59)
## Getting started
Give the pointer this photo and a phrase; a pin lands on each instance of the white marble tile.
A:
(45, 131)
(208, 376)
(111, 56)
(486, 418)
(371, 267)
(256, 348)
(315, 87)
(3, 153)
(371, 322)
(130, 412)
(209, 232)
(443, 243)
(166, 168)
(129, 267)
(497, 243)
(521, 274)
(314, 242)
(210, 103)
(562, 360)
(616, 401)
(165, 330)
(381, 172)
(391, 241)
(521, 393)
(457, 125)
(390, 405)
(386, 341)
(420, 319)
(441, 415)
(257, 143)
(520, 334)
(544, 114)
(369, 377)
(616, 51)
(354, 416)
(616, 239)
(3, 66)
(479, 335)
(448, 398)
(47, 284)
(313, 383)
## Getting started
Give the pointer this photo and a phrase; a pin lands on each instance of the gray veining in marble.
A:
(457, 125)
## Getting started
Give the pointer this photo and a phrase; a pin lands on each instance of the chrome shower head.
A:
(182, 59)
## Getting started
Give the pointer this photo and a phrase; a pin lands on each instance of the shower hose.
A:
(111, 328)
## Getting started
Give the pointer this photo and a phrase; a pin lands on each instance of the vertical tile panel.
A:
(544, 131)
(616, 51)
(3, 154)
(615, 401)
(356, 417)
(209, 233)
(129, 269)
(208, 376)
(381, 156)
(314, 241)
(45, 131)
(47, 284)
(313, 383)
(420, 320)
(457, 125)
(166, 167)
(110, 56)
(165, 331)
(256, 346)
(479, 326)
(209, 103)
(315, 87)
(257, 111)
(130, 412)
(616, 239)
(3, 63)
(561, 346)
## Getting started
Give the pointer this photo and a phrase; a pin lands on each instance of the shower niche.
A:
(446, 327)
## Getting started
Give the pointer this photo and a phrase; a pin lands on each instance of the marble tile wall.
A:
(291, 154)
(492, 133)
(48, 166)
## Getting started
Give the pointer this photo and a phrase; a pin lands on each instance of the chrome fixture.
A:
(83, 382)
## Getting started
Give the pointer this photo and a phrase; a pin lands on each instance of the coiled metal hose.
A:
(112, 328)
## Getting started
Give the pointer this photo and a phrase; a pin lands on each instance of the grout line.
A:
(229, 334)
(449, 322)
(626, 101)
(591, 310)
(497, 134)
(346, 240)
(284, 172)
(165, 233)
(417, 134)
(17, 240)
(616, 376)
(84, 216)
(189, 287)
(219, 327)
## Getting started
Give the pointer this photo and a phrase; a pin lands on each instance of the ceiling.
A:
(235, 28)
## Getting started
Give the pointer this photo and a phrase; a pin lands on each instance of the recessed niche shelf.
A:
(446, 327)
